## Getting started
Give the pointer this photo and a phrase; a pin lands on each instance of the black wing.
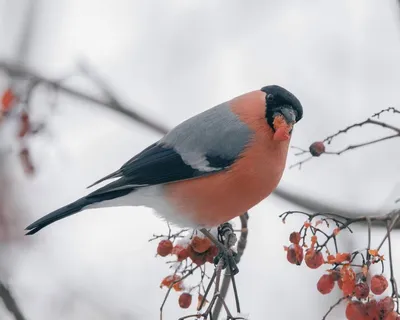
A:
(158, 164)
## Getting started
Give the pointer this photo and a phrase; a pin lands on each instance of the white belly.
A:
(151, 197)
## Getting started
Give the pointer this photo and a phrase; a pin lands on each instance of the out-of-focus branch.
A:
(10, 302)
(17, 71)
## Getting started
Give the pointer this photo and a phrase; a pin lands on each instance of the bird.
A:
(207, 170)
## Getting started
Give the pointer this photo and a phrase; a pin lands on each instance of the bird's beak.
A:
(284, 119)
(289, 115)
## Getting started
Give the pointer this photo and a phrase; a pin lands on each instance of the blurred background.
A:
(169, 60)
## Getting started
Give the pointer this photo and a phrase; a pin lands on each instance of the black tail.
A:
(108, 192)
(58, 214)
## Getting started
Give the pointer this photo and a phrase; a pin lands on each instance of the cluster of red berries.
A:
(198, 250)
(361, 303)
(7, 102)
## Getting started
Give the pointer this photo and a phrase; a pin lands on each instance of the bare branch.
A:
(355, 146)
(17, 71)
(10, 302)
(333, 307)
(329, 139)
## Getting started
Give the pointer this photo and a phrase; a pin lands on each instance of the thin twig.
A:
(171, 286)
(329, 139)
(333, 307)
(360, 145)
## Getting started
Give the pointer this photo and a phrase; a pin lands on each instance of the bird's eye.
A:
(270, 97)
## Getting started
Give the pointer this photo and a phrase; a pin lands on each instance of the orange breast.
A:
(218, 198)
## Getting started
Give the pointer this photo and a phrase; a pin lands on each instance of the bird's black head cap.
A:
(279, 101)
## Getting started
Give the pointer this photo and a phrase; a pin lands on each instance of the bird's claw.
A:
(229, 258)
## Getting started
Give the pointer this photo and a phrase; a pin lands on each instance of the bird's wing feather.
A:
(202, 145)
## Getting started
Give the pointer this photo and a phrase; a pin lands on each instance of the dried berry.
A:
(385, 306)
(325, 284)
(313, 259)
(378, 284)
(185, 300)
(356, 310)
(294, 237)
(180, 252)
(317, 148)
(164, 248)
(295, 254)
(200, 245)
(372, 309)
(211, 253)
(361, 290)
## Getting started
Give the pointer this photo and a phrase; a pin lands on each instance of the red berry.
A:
(164, 248)
(317, 148)
(197, 258)
(336, 274)
(385, 306)
(361, 290)
(211, 253)
(314, 259)
(356, 310)
(295, 254)
(185, 300)
(180, 252)
(325, 284)
(372, 309)
(378, 284)
(294, 237)
(200, 245)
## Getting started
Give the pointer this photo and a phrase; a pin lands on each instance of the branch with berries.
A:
(316, 243)
(193, 252)
(318, 148)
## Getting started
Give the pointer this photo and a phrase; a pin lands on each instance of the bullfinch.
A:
(209, 169)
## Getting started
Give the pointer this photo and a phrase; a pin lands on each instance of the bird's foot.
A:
(226, 239)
